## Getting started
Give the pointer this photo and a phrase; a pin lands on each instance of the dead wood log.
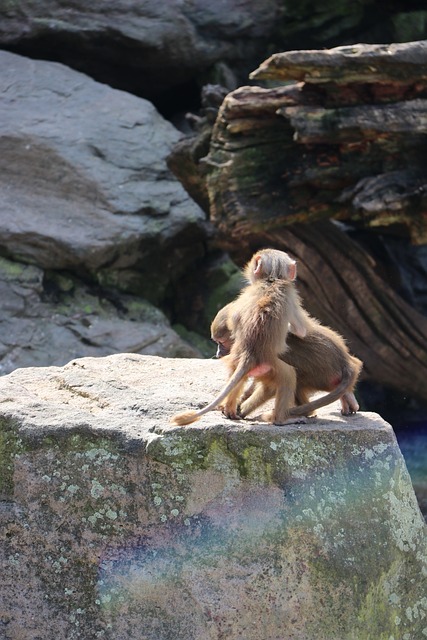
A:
(347, 142)
(339, 284)
(301, 152)
(399, 62)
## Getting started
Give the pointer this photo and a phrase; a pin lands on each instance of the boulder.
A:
(149, 47)
(117, 525)
(84, 181)
(165, 50)
(49, 321)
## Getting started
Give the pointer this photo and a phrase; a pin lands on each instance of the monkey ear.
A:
(257, 265)
(299, 329)
(292, 270)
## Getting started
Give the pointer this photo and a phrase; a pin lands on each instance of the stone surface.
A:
(144, 45)
(116, 525)
(49, 321)
(84, 181)
(151, 47)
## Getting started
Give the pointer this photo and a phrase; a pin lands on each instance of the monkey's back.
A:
(321, 359)
(260, 323)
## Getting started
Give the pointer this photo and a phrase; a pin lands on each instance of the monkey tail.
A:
(305, 409)
(185, 418)
(191, 416)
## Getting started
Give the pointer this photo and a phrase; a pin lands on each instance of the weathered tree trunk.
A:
(339, 284)
(349, 143)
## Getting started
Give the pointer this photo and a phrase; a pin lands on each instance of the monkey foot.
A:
(232, 415)
(301, 420)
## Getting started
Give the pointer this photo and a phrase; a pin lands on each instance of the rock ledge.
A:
(117, 525)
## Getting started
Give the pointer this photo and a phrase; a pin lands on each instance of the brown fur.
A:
(258, 323)
(321, 360)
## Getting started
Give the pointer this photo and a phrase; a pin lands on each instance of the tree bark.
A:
(339, 284)
(347, 142)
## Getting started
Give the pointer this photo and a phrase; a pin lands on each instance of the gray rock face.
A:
(117, 525)
(150, 47)
(84, 189)
(36, 329)
(154, 45)
(83, 179)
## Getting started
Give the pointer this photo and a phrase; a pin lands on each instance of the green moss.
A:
(61, 281)
(409, 26)
(224, 293)
(321, 535)
(194, 450)
(142, 310)
(255, 467)
(87, 477)
(183, 452)
(205, 346)
(380, 612)
(12, 271)
(133, 282)
(367, 602)
(10, 447)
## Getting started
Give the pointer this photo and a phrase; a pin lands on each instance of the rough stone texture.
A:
(117, 525)
(148, 45)
(412, 443)
(90, 214)
(84, 183)
(51, 321)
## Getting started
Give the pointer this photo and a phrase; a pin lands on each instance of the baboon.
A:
(259, 322)
(321, 360)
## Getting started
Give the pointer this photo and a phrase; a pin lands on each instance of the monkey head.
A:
(271, 264)
(221, 331)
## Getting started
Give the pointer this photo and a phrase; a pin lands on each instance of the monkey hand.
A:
(231, 413)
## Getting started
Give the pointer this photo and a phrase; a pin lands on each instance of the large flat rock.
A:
(84, 181)
(117, 525)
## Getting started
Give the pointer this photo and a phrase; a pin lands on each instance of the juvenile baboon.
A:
(321, 360)
(259, 324)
